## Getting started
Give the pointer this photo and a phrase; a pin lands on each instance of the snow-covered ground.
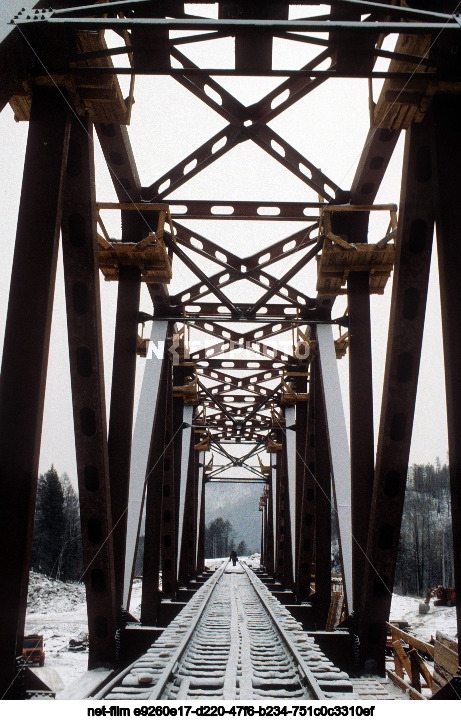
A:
(438, 618)
(58, 611)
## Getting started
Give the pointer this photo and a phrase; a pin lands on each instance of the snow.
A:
(423, 626)
(58, 611)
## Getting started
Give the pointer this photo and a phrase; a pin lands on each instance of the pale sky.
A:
(329, 127)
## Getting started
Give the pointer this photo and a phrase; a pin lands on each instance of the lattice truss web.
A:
(244, 270)
(279, 138)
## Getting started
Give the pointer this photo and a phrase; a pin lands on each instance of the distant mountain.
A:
(237, 503)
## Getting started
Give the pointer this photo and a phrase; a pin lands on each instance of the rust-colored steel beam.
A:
(116, 146)
(81, 274)
(263, 110)
(279, 512)
(285, 525)
(203, 156)
(447, 114)
(11, 46)
(201, 533)
(244, 210)
(193, 520)
(186, 557)
(25, 360)
(248, 383)
(300, 385)
(121, 413)
(168, 521)
(306, 534)
(376, 154)
(323, 502)
(235, 132)
(206, 354)
(408, 306)
(361, 421)
(278, 250)
(210, 285)
(260, 278)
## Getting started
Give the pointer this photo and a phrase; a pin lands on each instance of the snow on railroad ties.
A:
(58, 611)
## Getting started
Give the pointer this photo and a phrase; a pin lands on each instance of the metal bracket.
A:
(27, 16)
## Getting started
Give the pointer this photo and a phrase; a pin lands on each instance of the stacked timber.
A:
(97, 94)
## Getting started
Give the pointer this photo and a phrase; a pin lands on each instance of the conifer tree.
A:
(56, 545)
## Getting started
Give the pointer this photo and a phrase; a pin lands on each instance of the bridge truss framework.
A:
(59, 75)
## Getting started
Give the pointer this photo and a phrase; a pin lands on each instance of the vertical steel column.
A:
(408, 306)
(185, 457)
(292, 466)
(361, 421)
(25, 359)
(168, 527)
(141, 446)
(287, 576)
(266, 535)
(150, 599)
(447, 115)
(301, 432)
(307, 503)
(200, 505)
(339, 451)
(279, 520)
(322, 504)
(186, 502)
(201, 534)
(121, 413)
(81, 273)
(274, 499)
(269, 564)
(261, 510)
(191, 548)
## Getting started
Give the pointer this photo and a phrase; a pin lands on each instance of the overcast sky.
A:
(329, 127)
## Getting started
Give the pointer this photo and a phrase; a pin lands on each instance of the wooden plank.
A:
(411, 640)
(400, 654)
(415, 695)
(445, 657)
(415, 659)
(394, 115)
(334, 614)
(447, 640)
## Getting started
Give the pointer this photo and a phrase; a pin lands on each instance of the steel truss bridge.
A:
(239, 390)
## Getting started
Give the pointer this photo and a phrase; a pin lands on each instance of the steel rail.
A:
(306, 676)
(306, 673)
(163, 680)
(314, 682)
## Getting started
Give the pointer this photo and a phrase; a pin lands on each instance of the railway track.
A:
(232, 641)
